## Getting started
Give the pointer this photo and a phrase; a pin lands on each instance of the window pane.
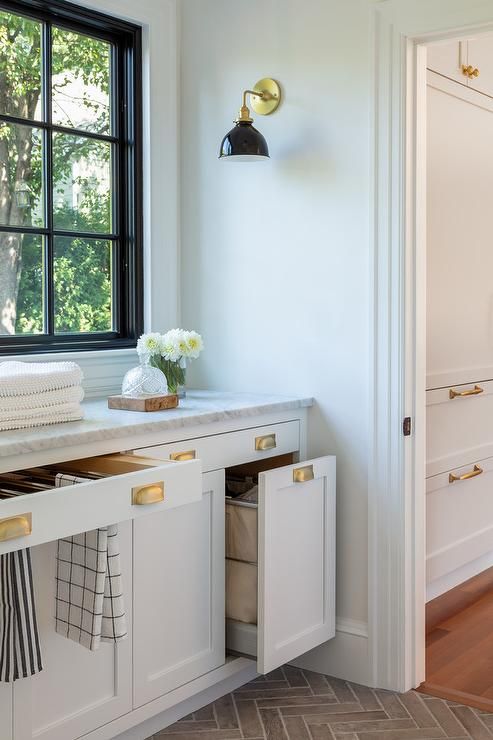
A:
(81, 69)
(81, 182)
(20, 66)
(21, 167)
(82, 285)
(21, 283)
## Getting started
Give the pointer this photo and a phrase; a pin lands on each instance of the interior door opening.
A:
(459, 370)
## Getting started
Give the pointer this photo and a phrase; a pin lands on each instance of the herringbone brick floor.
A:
(290, 704)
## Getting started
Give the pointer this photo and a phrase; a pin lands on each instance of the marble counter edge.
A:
(59, 436)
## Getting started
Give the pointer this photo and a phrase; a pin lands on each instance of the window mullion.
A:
(48, 170)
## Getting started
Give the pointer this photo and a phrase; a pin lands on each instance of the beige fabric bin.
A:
(241, 591)
(241, 531)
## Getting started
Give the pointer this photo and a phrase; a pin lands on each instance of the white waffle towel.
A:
(26, 378)
(61, 409)
(43, 400)
(41, 421)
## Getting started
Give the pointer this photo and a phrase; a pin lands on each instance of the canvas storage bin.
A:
(241, 531)
(241, 550)
(241, 591)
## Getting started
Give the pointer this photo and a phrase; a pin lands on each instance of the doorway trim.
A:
(396, 513)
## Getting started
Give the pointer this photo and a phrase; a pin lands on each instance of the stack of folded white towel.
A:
(39, 393)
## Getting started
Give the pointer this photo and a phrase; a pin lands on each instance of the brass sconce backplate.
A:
(270, 99)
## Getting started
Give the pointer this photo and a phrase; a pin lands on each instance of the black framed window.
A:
(70, 178)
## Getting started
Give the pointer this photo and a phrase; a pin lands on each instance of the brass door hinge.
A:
(406, 426)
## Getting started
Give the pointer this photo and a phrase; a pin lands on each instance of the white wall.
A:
(274, 256)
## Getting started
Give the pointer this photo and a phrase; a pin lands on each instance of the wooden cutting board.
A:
(143, 403)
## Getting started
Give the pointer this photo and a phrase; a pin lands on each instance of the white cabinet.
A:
(480, 58)
(459, 227)
(458, 425)
(459, 519)
(6, 711)
(469, 62)
(130, 488)
(179, 593)
(447, 59)
(172, 542)
(296, 565)
(78, 690)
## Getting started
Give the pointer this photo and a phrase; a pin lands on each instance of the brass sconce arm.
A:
(266, 96)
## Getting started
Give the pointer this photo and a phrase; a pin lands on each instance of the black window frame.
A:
(128, 275)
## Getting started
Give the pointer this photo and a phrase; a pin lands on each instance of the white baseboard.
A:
(450, 580)
(346, 656)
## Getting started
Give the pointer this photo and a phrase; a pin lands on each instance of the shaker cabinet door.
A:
(78, 690)
(6, 711)
(447, 59)
(179, 593)
(296, 560)
(480, 57)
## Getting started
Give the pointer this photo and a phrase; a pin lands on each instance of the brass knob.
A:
(470, 71)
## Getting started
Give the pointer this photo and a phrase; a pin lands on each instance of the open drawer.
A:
(123, 487)
(284, 571)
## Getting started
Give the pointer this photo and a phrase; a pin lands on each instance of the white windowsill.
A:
(103, 369)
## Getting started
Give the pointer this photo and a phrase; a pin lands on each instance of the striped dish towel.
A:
(20, 654)
(89, 593)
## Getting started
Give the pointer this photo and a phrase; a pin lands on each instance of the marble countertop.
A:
(101, 423)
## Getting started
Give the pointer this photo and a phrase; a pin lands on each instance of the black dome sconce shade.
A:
(244, 143)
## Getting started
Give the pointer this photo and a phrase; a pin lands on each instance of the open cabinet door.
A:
(296, 560)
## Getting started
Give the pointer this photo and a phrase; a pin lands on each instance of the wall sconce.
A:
(244, 143)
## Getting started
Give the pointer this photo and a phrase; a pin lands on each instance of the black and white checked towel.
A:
(20, 654)
(89, 594)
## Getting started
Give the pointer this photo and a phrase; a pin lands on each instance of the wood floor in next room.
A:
(459, 643)
(290, 704)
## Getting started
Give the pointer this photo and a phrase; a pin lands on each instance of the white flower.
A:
(195, 345)
(149, 344)
(170, 345)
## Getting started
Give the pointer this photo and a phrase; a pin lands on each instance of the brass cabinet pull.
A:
(182, 456)
(15, 526)
(461, 394)
(471, 474)
(267, 442)
(301, 475)
(470, 71)
(150, 494)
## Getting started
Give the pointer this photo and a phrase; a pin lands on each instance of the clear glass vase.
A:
(144, 380)
(175, 372)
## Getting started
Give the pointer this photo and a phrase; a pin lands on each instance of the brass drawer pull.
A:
(15, 526)
(153, 493)
(461, 394)
(267, 442)
(301, 475)
(182, 456)
(471, 474)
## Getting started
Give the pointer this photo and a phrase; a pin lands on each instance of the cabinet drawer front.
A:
(458, 425)
(233, 448)
(134, 487)
(459, 517)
